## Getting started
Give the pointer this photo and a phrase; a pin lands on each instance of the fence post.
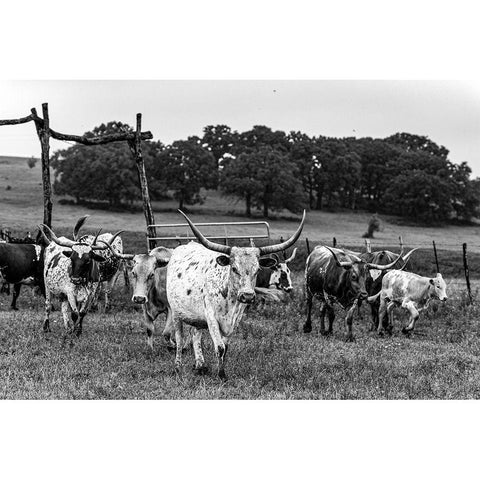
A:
(308, 245)
(368, 246)
(43, 132)
(136, 149)
(467, 273)
(436, 257)
(334, 242)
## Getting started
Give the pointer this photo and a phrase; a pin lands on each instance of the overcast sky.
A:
(448, 112)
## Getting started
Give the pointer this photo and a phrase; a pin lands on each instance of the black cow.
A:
(21, 263)
(373, 282)
(332, 274)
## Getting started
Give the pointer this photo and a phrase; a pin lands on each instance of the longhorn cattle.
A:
(373, 282)
(335, 275)
(71, 275)
(110, 268)
(277, 276)
(20, 264)
(208, 290)
(149, 286)
(409, 291)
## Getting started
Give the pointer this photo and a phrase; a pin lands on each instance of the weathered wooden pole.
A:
(436, 257)
(43, 132)
(136, 149)
(467, 273)
(368, 246)
(308, 245)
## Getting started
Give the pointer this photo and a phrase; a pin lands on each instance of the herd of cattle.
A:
(208, 286)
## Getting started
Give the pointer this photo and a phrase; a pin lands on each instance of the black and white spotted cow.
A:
(71, 275)
(210, 291)
(278, 276)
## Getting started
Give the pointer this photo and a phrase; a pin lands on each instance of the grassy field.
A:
(270, 356)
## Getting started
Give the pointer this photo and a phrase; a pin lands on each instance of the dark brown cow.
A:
(332, 274)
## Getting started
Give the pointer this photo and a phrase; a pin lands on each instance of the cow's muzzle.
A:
(76, 280)
(288, 289)
(139, 299)
(363, 295)
(246, 297)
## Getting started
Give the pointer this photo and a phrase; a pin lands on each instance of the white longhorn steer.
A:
(208, 290)
(409, 291)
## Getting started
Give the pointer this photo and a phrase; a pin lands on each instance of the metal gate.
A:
(263, 231)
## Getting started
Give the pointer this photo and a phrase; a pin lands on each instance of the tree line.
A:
(270, 170)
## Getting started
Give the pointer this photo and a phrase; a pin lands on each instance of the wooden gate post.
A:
(43, 132)
(467, 273)
(136, 149)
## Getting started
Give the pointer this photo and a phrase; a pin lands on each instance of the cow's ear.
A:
(97, 257)
(68, 253)
(223, 260)
(432, 282)
(267, 262)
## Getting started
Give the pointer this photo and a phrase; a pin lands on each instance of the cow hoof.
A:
(406, 332)
(222, 375)
(381, 333)
(307, 328)
(14, 308)
(350, 339)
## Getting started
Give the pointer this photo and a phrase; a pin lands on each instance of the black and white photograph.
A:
(245, 241)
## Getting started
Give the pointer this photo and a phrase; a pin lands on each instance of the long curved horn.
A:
(123, 256)
(98, 247)
(337, 261)
(78, 226)
(406, 257)
(63, 243)
(386, 267)
(216, 247)
(292, 256)
(47, 240)
(287, 244)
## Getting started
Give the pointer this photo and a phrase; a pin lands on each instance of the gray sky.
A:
(448, 112)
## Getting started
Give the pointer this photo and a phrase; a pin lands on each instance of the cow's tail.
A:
(373, 298)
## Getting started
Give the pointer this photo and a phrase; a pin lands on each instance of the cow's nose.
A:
(444, 299)
(363, 294)
(139, 299)
(76, 280)
(288, 289)
(246, 297)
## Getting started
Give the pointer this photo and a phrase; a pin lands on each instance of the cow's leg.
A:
(48, 308)
(382, 315)
(197, 349)
(349, 322)
(331, 318)
(307, 326)
(323, 310)
(66, 311)
(178, 326)
(108, 285)
(169, 330)
(220, 347)
(148, 321)
(389, 317)
(414, 314)
(72, 301)
(375, 308)
(16, 293)
(359, 309)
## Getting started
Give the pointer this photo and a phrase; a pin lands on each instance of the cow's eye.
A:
(235, 270)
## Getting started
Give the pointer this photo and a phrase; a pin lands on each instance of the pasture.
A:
(270, 356)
